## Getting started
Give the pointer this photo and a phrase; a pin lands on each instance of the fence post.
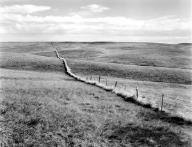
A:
(137, 92)
(106, 82)
(99, 78)
(91, 77)
(115, 83)
(57, 54)
(162, 102)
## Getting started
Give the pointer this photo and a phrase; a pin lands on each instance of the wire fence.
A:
(106, 84)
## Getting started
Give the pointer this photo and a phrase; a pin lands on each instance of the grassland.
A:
(155, 68)
(139, 61)
(43, 106)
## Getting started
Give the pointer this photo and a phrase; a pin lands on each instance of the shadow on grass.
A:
(145, 136)
(166, 117)
(162, 115)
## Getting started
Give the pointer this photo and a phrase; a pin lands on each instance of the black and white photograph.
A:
(95, 73)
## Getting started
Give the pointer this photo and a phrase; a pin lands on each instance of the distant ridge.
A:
(185, 44)
(96, 42)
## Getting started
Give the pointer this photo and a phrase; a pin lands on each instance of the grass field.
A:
(40, 105)
(155, 68)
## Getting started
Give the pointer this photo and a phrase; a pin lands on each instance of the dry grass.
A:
(139, 61)
(75, 54)
(24, 47)
(43, 107)
(23, 61)
(177, 99)
(168, 75)
(39, 110)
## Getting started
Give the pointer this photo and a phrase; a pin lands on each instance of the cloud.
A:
(23, 9)
(77, 24)
(24, 21)
(90, 10)
(95, 8)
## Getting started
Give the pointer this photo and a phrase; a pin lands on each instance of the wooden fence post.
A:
(137, 92)
(116, 84)
(162, 102)
(106, 82)
(57, 54)
(99, 78)
(91, 77)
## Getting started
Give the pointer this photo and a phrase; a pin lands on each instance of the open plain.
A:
(41, 105)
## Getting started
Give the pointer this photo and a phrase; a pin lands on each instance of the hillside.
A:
(43, 106)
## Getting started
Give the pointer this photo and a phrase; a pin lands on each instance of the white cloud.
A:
(17, 23)
(94, 8)
(90, 10)
(4, 1)
(23, 9)
(15, 20)
(18, 19)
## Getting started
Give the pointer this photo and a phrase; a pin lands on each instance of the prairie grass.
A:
(134, 72)
(63, 112)
(41, 106)
(23, 61)
(177, 97)
(139, 61)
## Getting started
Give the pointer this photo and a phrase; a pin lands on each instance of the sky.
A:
(166, 21)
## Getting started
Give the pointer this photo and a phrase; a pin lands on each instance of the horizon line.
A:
(91, 42)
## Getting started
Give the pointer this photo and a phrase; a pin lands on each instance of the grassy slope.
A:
(29, 62)
(105, 69)
(138, 61)
(137, 64)
(142, 54)
(27, 47)
(148, 73)
(49, 108)
(148, 54)
(177, 99)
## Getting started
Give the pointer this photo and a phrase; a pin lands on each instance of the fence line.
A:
(134, 97)
(96, 83)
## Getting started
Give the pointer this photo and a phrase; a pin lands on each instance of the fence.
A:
(115, 84)
(106, 86)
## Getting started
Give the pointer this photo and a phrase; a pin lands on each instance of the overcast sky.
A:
(95, 20)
